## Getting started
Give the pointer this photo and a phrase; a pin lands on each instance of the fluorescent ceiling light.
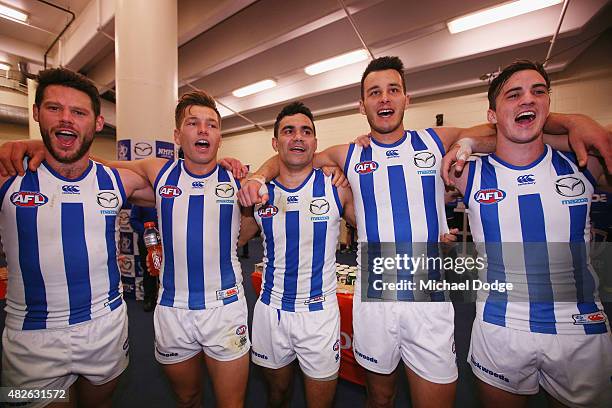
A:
(5, 66)
(497, 13)
(254, 88)
(337, 62)
(12, 14)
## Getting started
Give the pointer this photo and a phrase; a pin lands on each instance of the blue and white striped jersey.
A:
(300, 228)
(60, 240)
(532, 222)
(399, 199)
(199, 222)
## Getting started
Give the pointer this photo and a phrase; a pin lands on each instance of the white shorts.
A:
(575, 369)
(220, 332)
(314, 337)
(54, 358)
(420, 333)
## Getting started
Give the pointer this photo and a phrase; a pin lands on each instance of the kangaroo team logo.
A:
(570, 186)
(107, 199)
(224, 190)
(28, 199)
(424, 160)
(319, 206)
(143, 149)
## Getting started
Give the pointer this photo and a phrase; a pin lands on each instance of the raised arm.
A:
(13, 152)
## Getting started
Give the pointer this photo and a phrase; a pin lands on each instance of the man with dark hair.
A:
(297, 313)
(396, 183)
(201, 312)
(66, 324)
(551, 330)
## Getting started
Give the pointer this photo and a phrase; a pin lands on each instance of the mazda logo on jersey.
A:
(267, 211)
(366, 167)
(224, 190)
(489, 196)
(168, 191)
(143, 149)
(424, 160)
(569, 186)
(28, 199)
(70, 189)
(319, 206)
(107, 199)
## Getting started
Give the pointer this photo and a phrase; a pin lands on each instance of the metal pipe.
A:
(72, 18)
(554, 38)
(350, 19)
(233, 111)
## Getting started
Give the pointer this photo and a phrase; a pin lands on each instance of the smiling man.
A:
(528, 207)
(297, 313)
(66, 325)
(399, 199)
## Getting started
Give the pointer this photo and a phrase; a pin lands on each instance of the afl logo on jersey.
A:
(424, 160)
(366, 167)
(489, 196)
(569, 186)
(28, 199)
(267, 212)
(169, 191)
(107, 199)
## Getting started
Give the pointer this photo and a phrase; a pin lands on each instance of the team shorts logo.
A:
(197, 184)
(589, 318)
(336, 346)
(525, 179)
(366, 167)
(71, 189)
(241, 330)
(169, 191)
(28, 199)
(319, 206)
(424, 160)
(489, 196)
(391, 154)
(292, 199)
(569, 186)
(143, 149)
(224, 190)
(107, 199)
(267, 211)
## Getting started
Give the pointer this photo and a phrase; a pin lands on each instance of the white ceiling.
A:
(226, 44)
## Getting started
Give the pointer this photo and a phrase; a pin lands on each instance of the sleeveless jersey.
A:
(300, 229)
(399, 199)
(532, 222)
(199, 221)
(60, 240)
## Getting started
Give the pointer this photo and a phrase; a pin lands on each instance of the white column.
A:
(33, 128)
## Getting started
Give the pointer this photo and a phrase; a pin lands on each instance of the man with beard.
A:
(399, 199)
(66, 325)
(297, 315)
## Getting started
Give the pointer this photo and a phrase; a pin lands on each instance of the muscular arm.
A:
(145, 168)
(248, 226)
(346, 199)
(137, 188)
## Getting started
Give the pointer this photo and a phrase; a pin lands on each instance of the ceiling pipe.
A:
(350, 19)
(232, 110)
(554, 38)
(72, 18)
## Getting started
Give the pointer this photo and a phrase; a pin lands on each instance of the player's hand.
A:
(338, 177)
(253, 191)
(238, 169)
(450, 236)
(590, 135)
(12, 154)
(454, 160)
(362, 141)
